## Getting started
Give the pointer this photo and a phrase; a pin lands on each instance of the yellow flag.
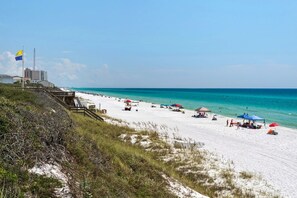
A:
(19, 55)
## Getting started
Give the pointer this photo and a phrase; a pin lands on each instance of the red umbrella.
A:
(274, 124)
(176, 105)
(127, 101)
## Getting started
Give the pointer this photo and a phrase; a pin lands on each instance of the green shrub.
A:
(43, 186)
(4, 124)
(16, 94)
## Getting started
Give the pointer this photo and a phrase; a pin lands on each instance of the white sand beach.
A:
(274, 157)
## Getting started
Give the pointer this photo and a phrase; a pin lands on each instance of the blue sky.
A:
(154, 43)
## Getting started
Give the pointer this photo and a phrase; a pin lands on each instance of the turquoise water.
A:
(275, 105)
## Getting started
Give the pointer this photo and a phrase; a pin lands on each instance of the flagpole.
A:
(23, 82)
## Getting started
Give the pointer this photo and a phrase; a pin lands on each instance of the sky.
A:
(154, 43)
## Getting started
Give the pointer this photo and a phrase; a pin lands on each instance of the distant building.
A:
(46, 83)
(17, 79)
(35, 75)
(28, 73)
(6, 79)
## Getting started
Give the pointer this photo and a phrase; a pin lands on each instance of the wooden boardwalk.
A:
(66, 99)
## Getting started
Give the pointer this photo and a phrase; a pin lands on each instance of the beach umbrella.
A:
(252, 118)
(274, 124)
(243, 116)
(177, 105)
(202, 109)
(255, 118)
(127, 101)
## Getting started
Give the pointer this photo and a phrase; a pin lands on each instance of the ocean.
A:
(275, 105)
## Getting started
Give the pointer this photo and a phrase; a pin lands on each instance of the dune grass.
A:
(22, 141)
(15, 94)
(111, 167)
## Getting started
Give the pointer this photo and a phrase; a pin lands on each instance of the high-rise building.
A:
(28, 73)
(35, 75)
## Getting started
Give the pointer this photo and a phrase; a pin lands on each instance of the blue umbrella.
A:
(247, 117)
(244, 116)
(252, 118)
(255, 118)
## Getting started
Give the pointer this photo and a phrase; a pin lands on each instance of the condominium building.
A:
(35, 75)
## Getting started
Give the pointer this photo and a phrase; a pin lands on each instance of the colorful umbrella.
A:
(127, 101)
(274, 124)
(177, 105)
(202, 109)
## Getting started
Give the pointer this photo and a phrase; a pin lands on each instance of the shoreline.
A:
(225, 106)
(190, 110)
(274, 157)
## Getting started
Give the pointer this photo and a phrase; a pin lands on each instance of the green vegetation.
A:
(22, 144)
(14, 94)
(110, 167)
(35, 129)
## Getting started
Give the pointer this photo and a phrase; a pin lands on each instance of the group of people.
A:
(201, 115)
(249, 125)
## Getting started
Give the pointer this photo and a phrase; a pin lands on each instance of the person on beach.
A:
(227, 123)
(231, 123)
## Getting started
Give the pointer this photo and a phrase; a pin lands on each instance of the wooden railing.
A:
(63, 93)
(86, 112)
(57, 99)
(83, 110)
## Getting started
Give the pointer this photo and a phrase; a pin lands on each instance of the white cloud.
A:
(101, 71)
(66, 69)
(99, 75)
(8, 64)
